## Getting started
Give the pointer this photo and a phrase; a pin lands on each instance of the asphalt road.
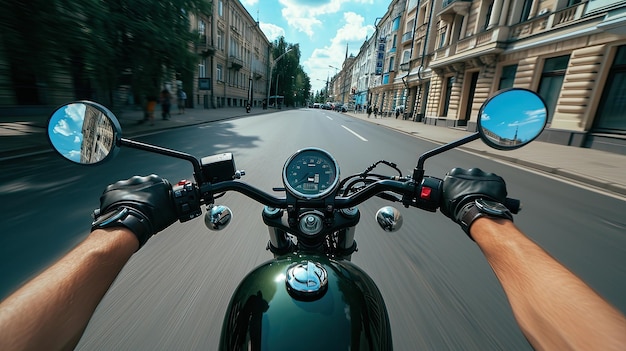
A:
(173, 294)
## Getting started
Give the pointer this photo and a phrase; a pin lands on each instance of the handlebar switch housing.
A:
(186, 200)
(429, 194)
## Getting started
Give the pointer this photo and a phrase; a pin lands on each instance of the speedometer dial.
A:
(311, 173)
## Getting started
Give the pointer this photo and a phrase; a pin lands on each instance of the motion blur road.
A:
(173, 294)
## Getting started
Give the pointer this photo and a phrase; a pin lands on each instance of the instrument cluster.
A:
(311, 173)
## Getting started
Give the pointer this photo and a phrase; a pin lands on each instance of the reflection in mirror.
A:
(82, 133)
(512, 119)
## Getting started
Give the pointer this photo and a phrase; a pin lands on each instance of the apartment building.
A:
(383, 91)
(235, 54)
(443, 58)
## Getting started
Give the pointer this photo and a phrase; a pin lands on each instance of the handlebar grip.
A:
(514, 205)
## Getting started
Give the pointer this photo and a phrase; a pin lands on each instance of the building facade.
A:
(235, 56)
(442, 59)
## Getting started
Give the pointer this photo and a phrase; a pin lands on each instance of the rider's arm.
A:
(554, 308)
(51, 311)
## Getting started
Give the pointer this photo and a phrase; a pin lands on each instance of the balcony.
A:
(485, 43)
(406, 37)
(451, 7)
(235, 63)
(543, 23)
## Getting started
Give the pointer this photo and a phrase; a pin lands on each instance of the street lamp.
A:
(269, 84)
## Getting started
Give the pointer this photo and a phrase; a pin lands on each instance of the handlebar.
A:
(428, 195)
(400, 187)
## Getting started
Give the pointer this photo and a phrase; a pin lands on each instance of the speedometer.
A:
(311, 173)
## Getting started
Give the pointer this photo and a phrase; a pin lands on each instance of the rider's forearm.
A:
(51, 311)
(554, 308)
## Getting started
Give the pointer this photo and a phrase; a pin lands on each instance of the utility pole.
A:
(269, 83)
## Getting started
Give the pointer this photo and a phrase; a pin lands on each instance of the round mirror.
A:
(512, 118)
(84, 132)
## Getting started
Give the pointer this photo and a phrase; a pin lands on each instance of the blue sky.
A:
(321, 27)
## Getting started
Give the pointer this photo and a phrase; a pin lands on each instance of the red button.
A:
(426, 193)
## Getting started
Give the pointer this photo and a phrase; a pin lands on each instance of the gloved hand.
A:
(461, 187)
(148, 199)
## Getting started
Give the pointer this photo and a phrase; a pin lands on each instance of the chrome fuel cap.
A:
(306, 280)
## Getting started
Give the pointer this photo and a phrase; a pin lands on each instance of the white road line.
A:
(329, 118)
(351, 131)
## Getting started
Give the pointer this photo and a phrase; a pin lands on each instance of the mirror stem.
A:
(197, 171)
(418, 172)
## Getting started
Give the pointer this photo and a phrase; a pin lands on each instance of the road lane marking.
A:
(329, 118)
(351, 131)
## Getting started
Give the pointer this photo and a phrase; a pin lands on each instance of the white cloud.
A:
(76, 112)
(353, 32)
(304, 15)
(63, 128)
(272, 31)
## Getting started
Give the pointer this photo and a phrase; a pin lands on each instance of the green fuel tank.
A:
(306, 302)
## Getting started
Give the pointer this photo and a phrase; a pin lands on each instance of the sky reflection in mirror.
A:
(515, 115)
(65, 130)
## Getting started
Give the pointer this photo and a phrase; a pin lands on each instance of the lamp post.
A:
(341, 82)
(269, 83)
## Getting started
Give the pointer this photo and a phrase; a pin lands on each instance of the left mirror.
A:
(84, 132)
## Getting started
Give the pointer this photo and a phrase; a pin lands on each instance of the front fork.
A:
(336, 241)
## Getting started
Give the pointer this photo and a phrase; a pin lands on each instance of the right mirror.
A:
(512, 118)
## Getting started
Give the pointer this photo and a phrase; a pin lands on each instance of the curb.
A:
(604, 185)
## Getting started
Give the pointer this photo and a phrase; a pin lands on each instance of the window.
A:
(406, 56)
(202, 69)
(220, 8)
(220, 40)
(528, 4)
(488, 16)
(442, 37)
(610, 116)
(201, 28)
(391, 62)
(396, 23)
(508, 77)
(219, 73)
(551, 82)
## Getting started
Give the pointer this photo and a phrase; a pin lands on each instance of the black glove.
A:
(461, 187)
(148, 202)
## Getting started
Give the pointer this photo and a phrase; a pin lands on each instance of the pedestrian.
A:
(369, 111)
(166, 104)
(182, 99)
(150, 107)
(375, 111)
(397, 112)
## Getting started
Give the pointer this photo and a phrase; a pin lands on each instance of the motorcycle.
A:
(310, 286)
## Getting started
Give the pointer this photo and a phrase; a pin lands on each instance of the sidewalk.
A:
(596, 168)
(24, 135)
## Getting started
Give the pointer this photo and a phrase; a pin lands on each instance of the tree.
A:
(99, 44)
(293, 83)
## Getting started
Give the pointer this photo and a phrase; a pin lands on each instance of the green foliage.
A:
(293, 83)
(100, 44)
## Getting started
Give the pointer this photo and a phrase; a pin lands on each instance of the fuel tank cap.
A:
(306, 280)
